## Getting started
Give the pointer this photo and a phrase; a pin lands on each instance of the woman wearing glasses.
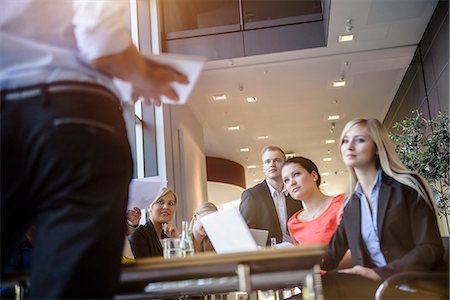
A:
(145, 240)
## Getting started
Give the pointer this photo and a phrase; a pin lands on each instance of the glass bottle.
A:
(186, 241)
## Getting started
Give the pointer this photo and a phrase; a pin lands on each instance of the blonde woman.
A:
(145, 240)
(389, 222)
(201, 241)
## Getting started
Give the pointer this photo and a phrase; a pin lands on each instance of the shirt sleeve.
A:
(101, 27)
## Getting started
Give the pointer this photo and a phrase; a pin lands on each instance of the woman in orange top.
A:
(318, 219)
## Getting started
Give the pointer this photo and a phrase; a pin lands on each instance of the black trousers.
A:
(65, 168)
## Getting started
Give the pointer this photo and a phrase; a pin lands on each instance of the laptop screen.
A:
(228, 232)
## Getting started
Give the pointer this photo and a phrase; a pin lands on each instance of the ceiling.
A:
(295, 93)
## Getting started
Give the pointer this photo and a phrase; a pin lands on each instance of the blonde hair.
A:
(163, 192)
(273, 148)
(203, 209)
(388, 159)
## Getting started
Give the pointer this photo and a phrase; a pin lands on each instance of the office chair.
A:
(432, 285)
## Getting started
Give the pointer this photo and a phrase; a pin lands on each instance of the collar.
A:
(358, 189)
(274, 192)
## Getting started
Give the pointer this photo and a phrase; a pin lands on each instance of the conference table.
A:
(211, 273)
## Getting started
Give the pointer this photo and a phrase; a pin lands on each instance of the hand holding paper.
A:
(189, 65)
(143, 191)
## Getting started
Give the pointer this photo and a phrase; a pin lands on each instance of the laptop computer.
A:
(228, 232)
(260, 236)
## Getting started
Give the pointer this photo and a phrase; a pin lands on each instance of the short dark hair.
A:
(306, 163)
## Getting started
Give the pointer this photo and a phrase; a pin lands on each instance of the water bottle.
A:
(186, 241)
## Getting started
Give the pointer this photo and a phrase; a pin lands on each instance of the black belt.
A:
(54, 88)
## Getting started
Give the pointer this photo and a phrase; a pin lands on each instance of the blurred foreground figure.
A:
(65, 157)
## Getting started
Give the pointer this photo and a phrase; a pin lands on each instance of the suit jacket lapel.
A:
(383, 201)
(355, 230)
(355, 217)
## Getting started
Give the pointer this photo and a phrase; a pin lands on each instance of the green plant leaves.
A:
(423, 146)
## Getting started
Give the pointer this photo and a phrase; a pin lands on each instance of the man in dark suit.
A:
(268, 205)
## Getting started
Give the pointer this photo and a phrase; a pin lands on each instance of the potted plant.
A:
(423, 146)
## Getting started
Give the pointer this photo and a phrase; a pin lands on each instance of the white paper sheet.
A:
(143, 191)
(189, 65)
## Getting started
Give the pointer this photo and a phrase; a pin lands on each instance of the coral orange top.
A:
(320, 229)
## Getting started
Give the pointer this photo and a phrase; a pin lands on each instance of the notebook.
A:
(228, 232)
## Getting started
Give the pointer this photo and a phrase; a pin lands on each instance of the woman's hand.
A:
(170, 231)
(362, 271)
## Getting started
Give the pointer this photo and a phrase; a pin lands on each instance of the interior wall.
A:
(185, 160)
(426, 82)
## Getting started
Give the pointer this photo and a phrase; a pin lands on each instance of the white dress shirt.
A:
(279, 199)
(43, 41)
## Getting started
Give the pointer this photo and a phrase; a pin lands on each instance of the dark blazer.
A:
(407, 227)
(259, 211)
(144, 241)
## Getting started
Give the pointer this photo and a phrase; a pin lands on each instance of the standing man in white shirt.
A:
(268, 205)
(65, 158)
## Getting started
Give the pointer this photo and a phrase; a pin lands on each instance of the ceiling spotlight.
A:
(257, 180)
(252, 99)
(219, 97)
(330, 141)
(251, 167)
(325, 173)
(290, 155)
(244, 149)
(346, 37)
(233, 128)
(334, 117)
(339, 83)
(262, 137)
(327, 159)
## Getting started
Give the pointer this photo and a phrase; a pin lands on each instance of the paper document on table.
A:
(189, 65)
(143, 191)
(284, 245)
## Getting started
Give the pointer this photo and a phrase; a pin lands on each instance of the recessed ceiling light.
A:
(290, 155)
(339, 83)
(251, 167)
(325, 173)
(257, 180)
(346, 38)
(262, 137)
(252, 99)
(330, 141)
(324, 184)
(334, 117)
(233, 128)
(327, 159)
(219, 97)
(244, 149)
